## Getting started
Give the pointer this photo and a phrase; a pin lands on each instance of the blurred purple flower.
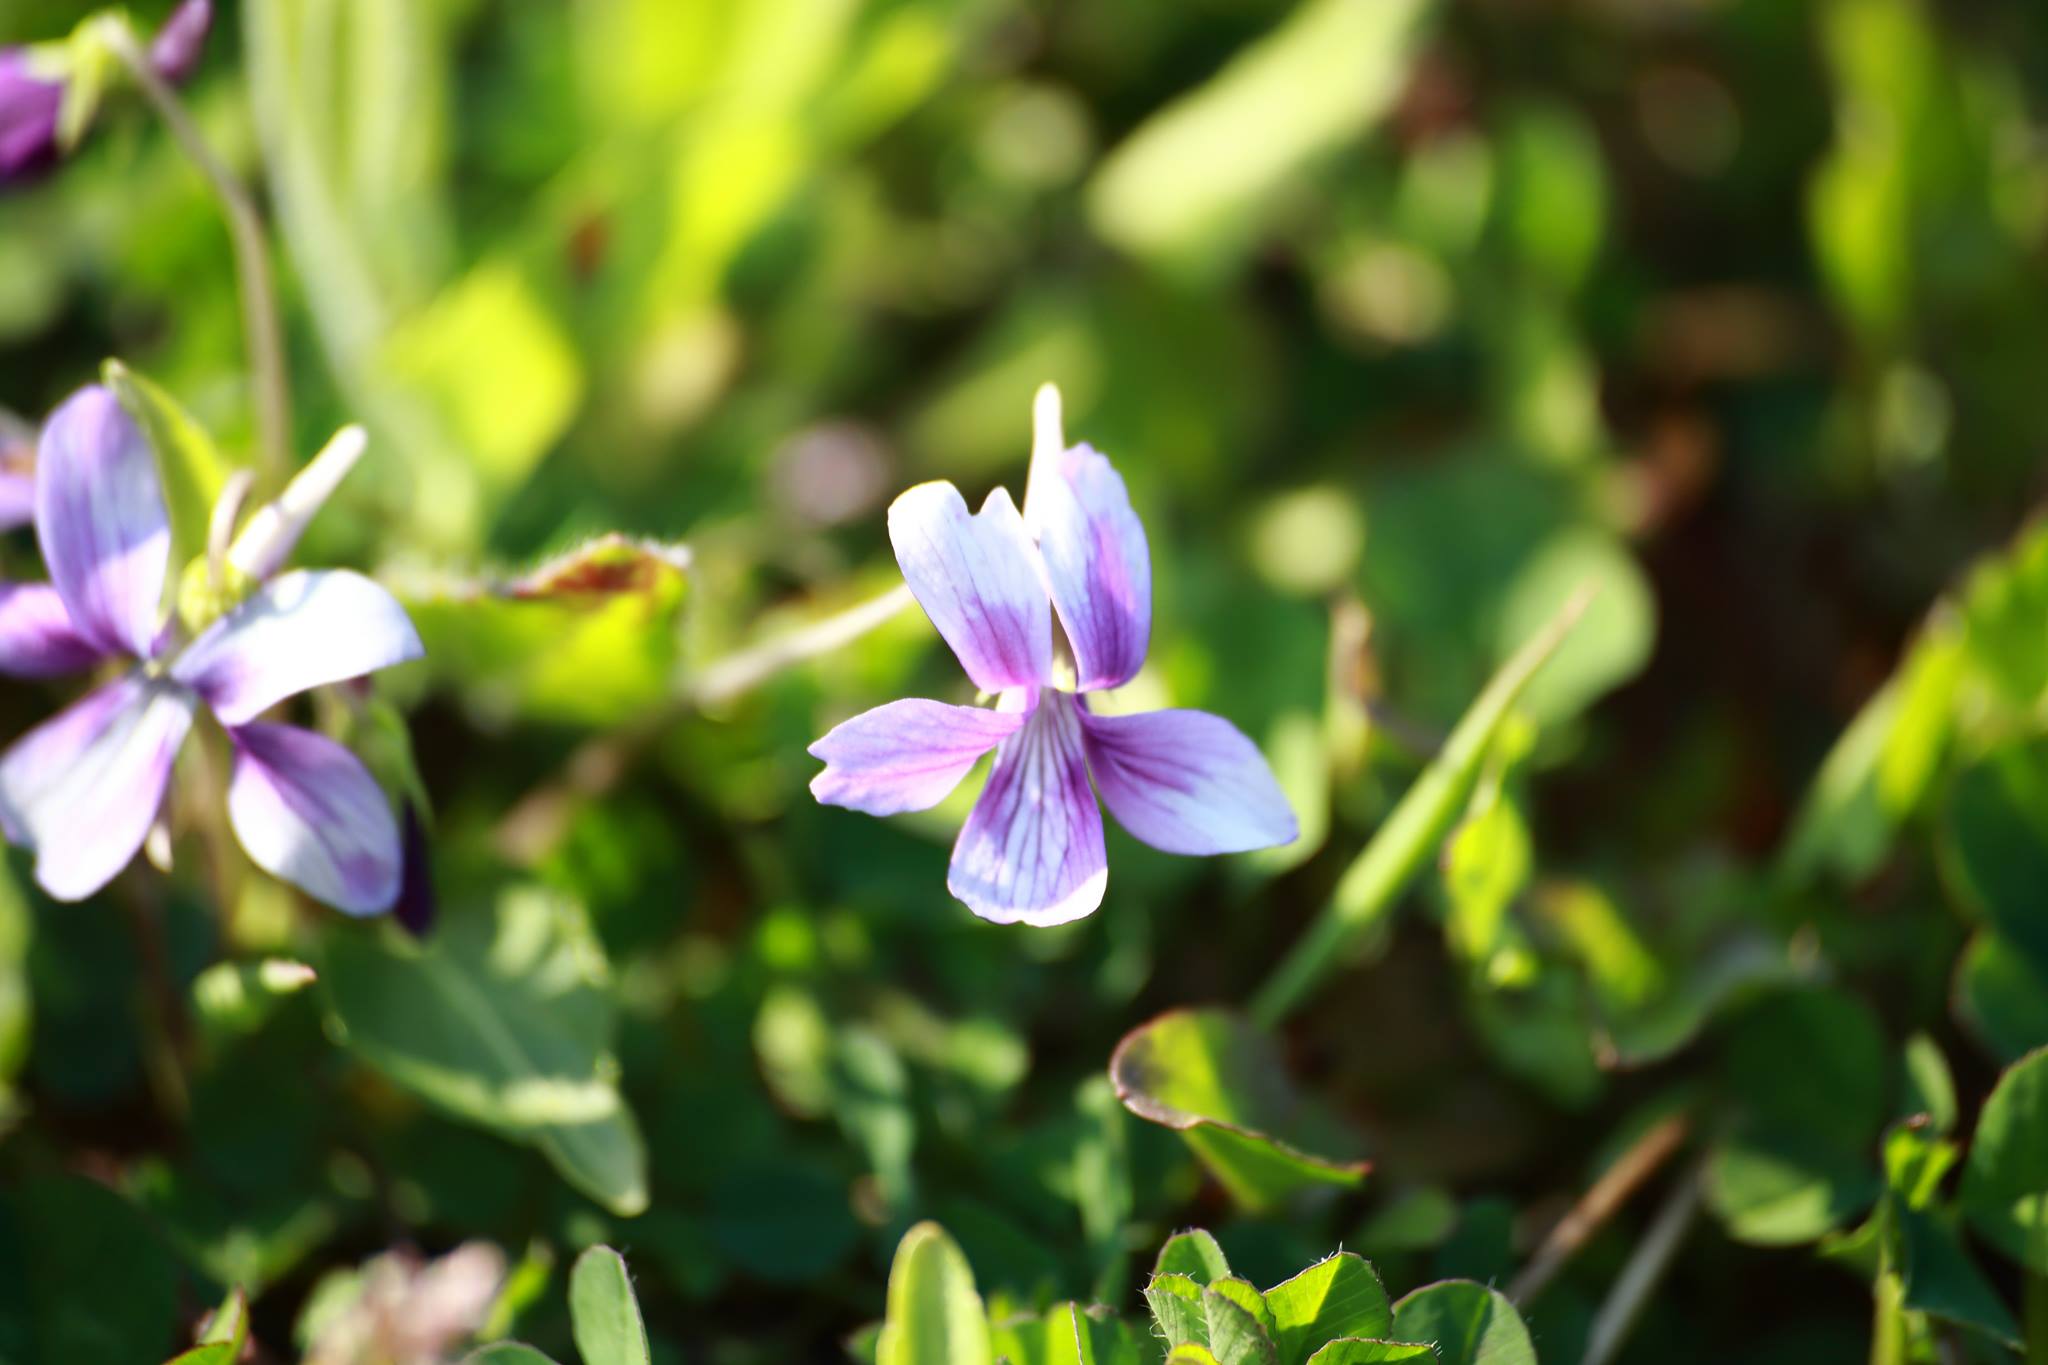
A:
(30, 100)
(1032, 851)
(82, 789)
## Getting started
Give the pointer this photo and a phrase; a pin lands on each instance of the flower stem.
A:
(257, 284)
(1409, 837)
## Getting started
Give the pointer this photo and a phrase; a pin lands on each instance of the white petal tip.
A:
(1079, 903)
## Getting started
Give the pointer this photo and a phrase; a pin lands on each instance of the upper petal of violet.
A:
(976, 576)
(101, 521)
(298, 631)
(175, 51)
(1097, 565)
(37, 639)
(907, 755)
(28, 116)
(1187, 782)
(308, 812)
(82, 788)
(1031, 851)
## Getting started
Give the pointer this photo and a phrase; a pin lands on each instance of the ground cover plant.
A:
(948, 681)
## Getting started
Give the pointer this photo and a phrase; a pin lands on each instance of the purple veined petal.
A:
(82, 788)
(175, 51)
(37, 639)
(977, 579)
(1187, 782)
(100, 518)
(308, 812)
(1031, 851)
(1097, 565)
(298, 631)
(907, 755)
(28, 116)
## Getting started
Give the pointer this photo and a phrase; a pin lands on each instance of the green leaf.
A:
(604, 1312)
(1193, 183)
(1409, 837)
(1780, 1189)
(1337, 1297)
(1930, 1087)
(2005, 1183)
(935, 1317)
(1941, 1278)
(191, 468)
(1606, 647)
(1468, 1324)
(506, 1353)
(1193, 1253)
(1995, 844)
(504, 1020)
(1237, 1333)
(1354, 1351)
(1067, 1334)
(2001, 996)
(1191, 1354)
(1221, 1083)
(85, 1235)
(229, 1325)
(216, 1353)
(1176, 1303)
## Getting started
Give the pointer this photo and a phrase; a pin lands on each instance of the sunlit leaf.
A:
(1468, 1324)
(1337, 1297)
(1218, 1081)
(935, 1317)
(1995, 844)
(1356, 1351)
(605, 1313)
(1239, 1331)
(2005, 1183)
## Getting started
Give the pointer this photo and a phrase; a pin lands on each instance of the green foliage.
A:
(607, 1317)
(935, 1317)
(1469, 1324)
(2005, 1183)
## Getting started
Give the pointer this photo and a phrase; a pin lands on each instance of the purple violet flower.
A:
(31, 99)
(1031, 851)
(82, 789)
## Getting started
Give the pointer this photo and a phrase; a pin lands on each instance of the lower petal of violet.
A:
(1031, 851)
(37, 639)
(308, 812)
(907, 755)
(1187, 782)
(82, 788)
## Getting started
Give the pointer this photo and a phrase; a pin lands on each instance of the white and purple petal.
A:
(1031, 851)
(308, 812)
(977, 578)
(298, 631)
(101, 521)
(82, 788)
(1097, 565)
(1187, 782)
(907, 755)
(175, 50)
(37, 639)
(28, 116)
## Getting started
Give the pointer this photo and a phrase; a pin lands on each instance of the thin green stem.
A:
(1408, 838)
(257, 284)
(1645, 1268)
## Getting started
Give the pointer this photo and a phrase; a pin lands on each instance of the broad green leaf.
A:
(506, 1353)
(1942, 1279)
(1193, 183)
(588, 637)
(1412, 834)
(1176, 1303)
(1781, 1189)
(191, 468)
(1221, 1083)
(1355, 1351)
(503, 1020)
(1237, 1336)
(1337, 1297)
(2002, 997)
(935, 1317)
(2002, 604)
(1468, 1324)
(1995, 844)
(1193, 1253)
(83, 1233)
(1814, 1062)
(604, 1312)
(1068, 1334)
(2005, 1183)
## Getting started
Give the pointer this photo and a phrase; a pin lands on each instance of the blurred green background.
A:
(1400, 317)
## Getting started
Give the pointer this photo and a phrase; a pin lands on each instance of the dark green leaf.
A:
(1468, 1324)
(2005, 1183)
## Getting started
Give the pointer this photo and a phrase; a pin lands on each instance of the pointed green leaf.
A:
(1468, 1324)
(935, 1317)
(1193, 1253)
(213, 1353)
(1338, 1297)
(506, 1353)
(603, 1311)
(1176, 1303)
(1246, 1296)
(190, 466)
(1941, 1278)
(1236, 1335)
(1354, 1351)
(2005, 1183)
(1220, 1082)
(229, 1325)
(504, 1020)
